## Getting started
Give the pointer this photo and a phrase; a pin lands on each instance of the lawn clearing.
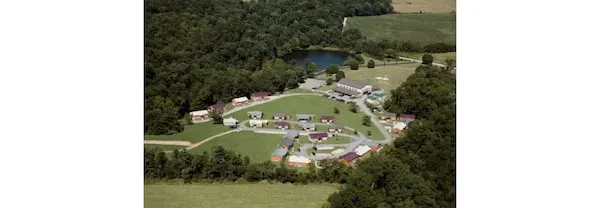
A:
(332, 140)
(163, 147)
(316, 105)
(409, 6)
(437, 57)
(396, 74)
(422, 28)
(193, 133)
(236, 195)
(254, 145)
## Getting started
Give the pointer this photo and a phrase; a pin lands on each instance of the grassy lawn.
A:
(422, 28)
(332, 140)
(316, 105)
(192, 133)
(297, 90)
(236, 195)
(408, 6)
(396, 74)
(437, 57)
(254, 145)
(163, 147)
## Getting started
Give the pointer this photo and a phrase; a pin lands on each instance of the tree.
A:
(329, 81)
(353, 63)
(366, 121)
(449, 63)
(355, 132)
(336, 111)
(368, 133)
(390, 53)
(352, 108)
(216, 117)
(332, 69)
(427, 59)
(340, 75)
(371, 64)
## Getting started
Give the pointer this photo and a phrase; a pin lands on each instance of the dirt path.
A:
(163, 142)
(208, 139)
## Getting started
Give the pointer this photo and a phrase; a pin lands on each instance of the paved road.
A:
(419, 61)
(374, 119)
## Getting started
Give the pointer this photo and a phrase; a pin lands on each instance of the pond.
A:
(321, 58)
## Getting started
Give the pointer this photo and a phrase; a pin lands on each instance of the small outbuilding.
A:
(199, 115)
(309, 127)
(239, 101)
(388, 116)
(255, 114)
(327, 119)
(398, 127)
(298, 161)
(278, 154)
(217, 107)
(338, 128)
(349, 158)
(282, 125)
(318, 137)
(232, 122)
(259, 96)
(303, 117)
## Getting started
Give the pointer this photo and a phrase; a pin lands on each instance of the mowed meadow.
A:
(428, 6)
(421, 28)
(237, 195)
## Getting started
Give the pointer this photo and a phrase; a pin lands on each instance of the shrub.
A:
(329, 81)
(427, 59)
(371, 64)
(353, 64)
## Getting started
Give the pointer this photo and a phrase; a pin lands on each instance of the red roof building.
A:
(258, 96)
(320, 136)
(349, 158)
(327, 118)
(218, 107)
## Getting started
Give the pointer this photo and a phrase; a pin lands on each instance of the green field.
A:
(254, 145)
(237, 195)
(192, 133)
(437, 57)
(163, 147)
(331, 140)
(396, 74)
(422, 28)
(316, 105)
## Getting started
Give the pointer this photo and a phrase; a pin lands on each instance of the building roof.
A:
(240, 99)
(279, 115)
(408, 116)
(282, 123)
(308, 125)
(199, 113)
(259, 94)
(255, 113)
(217, 106)
(318, 135)
(336, 126)
(258, 121)
(399, 125)
(286, 142)
(230, 120)
(328, 118)
(352, 83)
(279, 152)
(345, 91)
(350, 156)
(362, 150)
(303, 116)
(386, 114)
(298, 159)
(292, 134)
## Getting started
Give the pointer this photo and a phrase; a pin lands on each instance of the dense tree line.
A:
(223, 165)
(199, 52)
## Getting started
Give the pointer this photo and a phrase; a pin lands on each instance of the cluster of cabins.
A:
(202, 115)
(400, 121)
(284, 146)
(303, 123)
(366, 147)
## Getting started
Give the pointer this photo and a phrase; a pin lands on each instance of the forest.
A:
(418, 170)
(201, 52)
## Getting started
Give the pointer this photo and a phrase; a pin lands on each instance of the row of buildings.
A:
(202, 115)
(399, 121)
(284, 116)
(360, 151)
(284, 146)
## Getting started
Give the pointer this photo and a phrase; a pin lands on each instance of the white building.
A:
(239, 101)
(199, 115)
(258, 123)
(298, 161)
(398, 127)
(230, 121)
(352, 87)
(362, 150)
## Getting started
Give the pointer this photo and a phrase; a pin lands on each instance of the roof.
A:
(318, 135)
(352, 83)
(350, 156)
(292, 134)
(399, 125)
(336, 126)
(279, 115)
(345, 91)
(303, 116)
(386, 114)
(199, 113)
(279, 152)
(217, 106)
(362, 150)
(255, 113)
(230, 120)
(282, 123)
(286, 142)
(407, 116)
(240, 99)
(258, 121)
(370, 143)
(329, 118)
(308, 125)
(259, 94)
(298, 159)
